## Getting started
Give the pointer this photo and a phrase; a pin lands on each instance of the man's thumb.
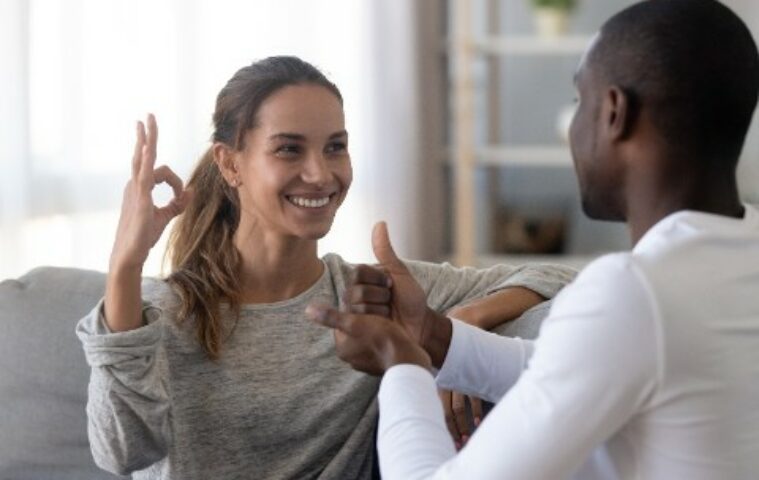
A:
(324, 315)
(383, 250)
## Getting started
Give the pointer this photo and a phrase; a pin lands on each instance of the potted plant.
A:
(552, 16)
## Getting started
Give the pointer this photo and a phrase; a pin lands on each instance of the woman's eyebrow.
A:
(300, 137)
(288, 136)
(341, 133)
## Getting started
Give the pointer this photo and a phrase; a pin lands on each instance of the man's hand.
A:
(369, 343)
(369, 292)
(408, 305)
(390, 290)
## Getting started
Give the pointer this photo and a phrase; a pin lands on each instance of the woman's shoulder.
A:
(338, 267)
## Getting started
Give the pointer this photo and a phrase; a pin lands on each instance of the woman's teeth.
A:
(309, 202)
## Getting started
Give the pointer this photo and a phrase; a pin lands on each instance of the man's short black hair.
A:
(693, 64)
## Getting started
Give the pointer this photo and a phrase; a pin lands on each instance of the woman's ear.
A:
(226, 160)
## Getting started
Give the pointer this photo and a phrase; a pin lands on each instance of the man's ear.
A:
(617, 113)
(226, 160)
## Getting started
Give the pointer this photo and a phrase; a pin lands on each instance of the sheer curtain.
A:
(78, 73)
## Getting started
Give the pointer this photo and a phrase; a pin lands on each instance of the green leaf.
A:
(566, 5)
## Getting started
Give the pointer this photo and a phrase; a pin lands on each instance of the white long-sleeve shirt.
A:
(646, 368)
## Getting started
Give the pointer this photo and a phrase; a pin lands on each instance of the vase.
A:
(551, 22)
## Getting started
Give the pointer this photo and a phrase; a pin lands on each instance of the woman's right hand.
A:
(142, 222)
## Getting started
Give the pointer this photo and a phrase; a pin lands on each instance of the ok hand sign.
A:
(142, 222)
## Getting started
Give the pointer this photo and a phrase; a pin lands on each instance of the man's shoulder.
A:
(607, 267)
(611, 283)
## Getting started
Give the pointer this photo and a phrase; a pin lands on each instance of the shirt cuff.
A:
(481, 363)
(456, 352)
(103, 347)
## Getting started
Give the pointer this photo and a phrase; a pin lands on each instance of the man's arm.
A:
(593, 368)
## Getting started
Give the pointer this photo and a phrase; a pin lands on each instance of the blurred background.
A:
(457, 112)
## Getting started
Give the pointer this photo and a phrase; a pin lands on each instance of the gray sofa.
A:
(43, 376)
(43, 373)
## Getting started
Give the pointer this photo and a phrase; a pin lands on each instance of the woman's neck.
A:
(275, 267)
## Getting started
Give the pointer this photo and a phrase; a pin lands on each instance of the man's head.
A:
(680, 75)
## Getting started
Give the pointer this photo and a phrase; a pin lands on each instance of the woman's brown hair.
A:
(204, 261)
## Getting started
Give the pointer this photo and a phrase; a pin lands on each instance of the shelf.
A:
(473, 69)
(532, 45)
(524, 156)
(529, 156)
(542, 156)
(574, 261)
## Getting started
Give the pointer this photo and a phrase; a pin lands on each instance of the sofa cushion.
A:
(43, 375)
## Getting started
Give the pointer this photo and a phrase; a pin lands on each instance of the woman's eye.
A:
(337, 147)
(288, 150)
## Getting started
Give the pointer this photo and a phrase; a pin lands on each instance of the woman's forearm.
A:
(493, 310)
(123, 299)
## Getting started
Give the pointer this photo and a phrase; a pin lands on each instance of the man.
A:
(647, 364)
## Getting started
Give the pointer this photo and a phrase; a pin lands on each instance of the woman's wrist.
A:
(470, 314)
(123, 267)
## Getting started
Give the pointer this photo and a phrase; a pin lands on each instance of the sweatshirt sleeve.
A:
(128, 405)
(447, 286)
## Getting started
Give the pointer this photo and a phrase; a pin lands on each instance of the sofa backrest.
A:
(44, 376)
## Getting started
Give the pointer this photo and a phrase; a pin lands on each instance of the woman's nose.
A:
(316, 170)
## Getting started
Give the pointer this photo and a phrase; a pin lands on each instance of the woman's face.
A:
(295, 169)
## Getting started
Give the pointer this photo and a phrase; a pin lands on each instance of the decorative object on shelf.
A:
(564, 121)
(552, 16)
(520, 233)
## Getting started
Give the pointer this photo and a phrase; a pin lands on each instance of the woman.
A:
(214, 372)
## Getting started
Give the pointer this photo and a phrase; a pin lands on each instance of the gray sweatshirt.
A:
(279, 404)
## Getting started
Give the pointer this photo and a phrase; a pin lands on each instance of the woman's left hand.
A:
(456, 418)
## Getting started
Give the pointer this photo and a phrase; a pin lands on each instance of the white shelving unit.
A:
(464, 47)
(531, 45)
(523, 155)
(575, 261)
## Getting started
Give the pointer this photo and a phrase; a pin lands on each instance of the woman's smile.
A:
(311, 201)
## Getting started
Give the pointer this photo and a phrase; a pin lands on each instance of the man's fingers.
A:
(369, 309)
(458, 406)
(328, 317)
(368, 275)
(383, 249)
(368, 294)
